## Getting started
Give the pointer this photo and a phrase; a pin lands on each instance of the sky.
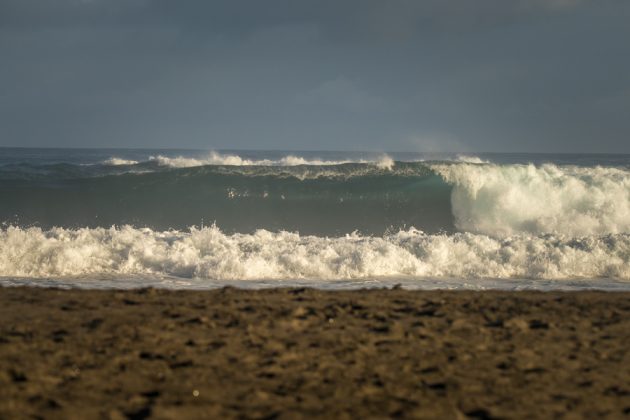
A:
(372, 75)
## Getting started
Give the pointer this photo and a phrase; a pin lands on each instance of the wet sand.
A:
(292, 353)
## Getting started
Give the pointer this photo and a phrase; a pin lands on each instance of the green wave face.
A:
(328, 201)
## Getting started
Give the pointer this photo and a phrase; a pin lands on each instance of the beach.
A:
(291, 353)
(328, 210)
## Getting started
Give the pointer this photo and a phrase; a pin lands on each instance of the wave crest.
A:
(214, 158)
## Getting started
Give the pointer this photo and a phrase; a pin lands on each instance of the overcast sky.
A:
(414, 75)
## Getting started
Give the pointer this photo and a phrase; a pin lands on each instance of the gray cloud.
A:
(532, 75)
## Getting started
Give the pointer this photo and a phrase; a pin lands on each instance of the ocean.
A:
(107, 218)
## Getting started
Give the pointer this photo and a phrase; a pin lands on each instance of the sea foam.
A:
(208, 253)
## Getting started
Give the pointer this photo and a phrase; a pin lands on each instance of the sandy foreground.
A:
(291, 353)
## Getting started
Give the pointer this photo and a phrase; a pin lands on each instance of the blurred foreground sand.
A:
(291, 353)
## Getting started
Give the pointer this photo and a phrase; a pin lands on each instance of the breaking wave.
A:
(486, 198)
(503, 200)
(215, 158)
(322, 197)
(208, 253)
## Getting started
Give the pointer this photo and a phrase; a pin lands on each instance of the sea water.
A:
(203, 219)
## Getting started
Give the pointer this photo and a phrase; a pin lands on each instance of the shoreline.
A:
(287, 352)
(412, 284)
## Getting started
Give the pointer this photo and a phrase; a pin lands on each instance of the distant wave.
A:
(210, 254)
(215, 158)
(384, 161)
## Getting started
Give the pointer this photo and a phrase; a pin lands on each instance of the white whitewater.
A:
(504, 200)
(208, 253)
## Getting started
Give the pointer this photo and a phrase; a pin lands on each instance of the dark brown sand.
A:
(305, 353)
